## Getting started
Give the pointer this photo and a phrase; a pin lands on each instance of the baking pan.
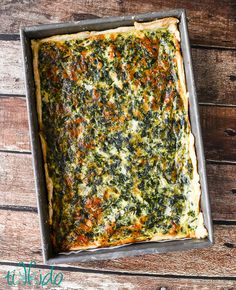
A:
(41, 31)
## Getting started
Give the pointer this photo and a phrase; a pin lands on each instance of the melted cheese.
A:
(120, 163)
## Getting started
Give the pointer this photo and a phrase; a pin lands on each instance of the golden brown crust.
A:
(49, 183)
(35, 48)
(159, 23)
(158, 237)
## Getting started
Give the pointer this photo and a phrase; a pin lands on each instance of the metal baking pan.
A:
(42, 31)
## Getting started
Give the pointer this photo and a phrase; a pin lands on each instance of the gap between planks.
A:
(209, 22)
(16, 37)
(208, 161)
(20, 208)
(68, 268)
(199, 103)
(35, 210)
(79, 280)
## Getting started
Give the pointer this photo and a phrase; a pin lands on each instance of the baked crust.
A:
(171, 25)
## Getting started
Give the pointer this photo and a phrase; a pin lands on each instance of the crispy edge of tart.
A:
(49, 182)
(200, 231)
(171, 24)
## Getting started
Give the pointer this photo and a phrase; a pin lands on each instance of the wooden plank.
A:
(17, 185)
(222, 189)
(16, 180)
(218, 126)
(210, 22)
(20, 241)
(14, 134)
(11, 70)
(80, 281)
(214, 73)
(219, 132)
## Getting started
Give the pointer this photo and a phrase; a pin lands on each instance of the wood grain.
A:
(221, 185)
(218, 126)
(11, 70)
(219, 132)
(91, 281)
(215, 73)
(20, 241)
(17, 185)
(210, 22)
(16, 180)
(14, 133)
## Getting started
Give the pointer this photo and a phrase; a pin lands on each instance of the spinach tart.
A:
(119, 156)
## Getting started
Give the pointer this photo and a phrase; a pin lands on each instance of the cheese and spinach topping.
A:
(115, 132)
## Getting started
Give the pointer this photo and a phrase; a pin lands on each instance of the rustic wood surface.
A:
(212, 28)
(219, 132)
(14, 134)
(11, 70)
(75, 280)
(210, 22)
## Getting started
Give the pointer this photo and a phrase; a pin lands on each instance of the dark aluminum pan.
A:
(42, 31)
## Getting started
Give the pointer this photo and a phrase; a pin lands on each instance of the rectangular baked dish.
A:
(119, 156)
(116, 141)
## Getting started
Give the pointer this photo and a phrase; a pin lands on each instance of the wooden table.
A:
(213, 37)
